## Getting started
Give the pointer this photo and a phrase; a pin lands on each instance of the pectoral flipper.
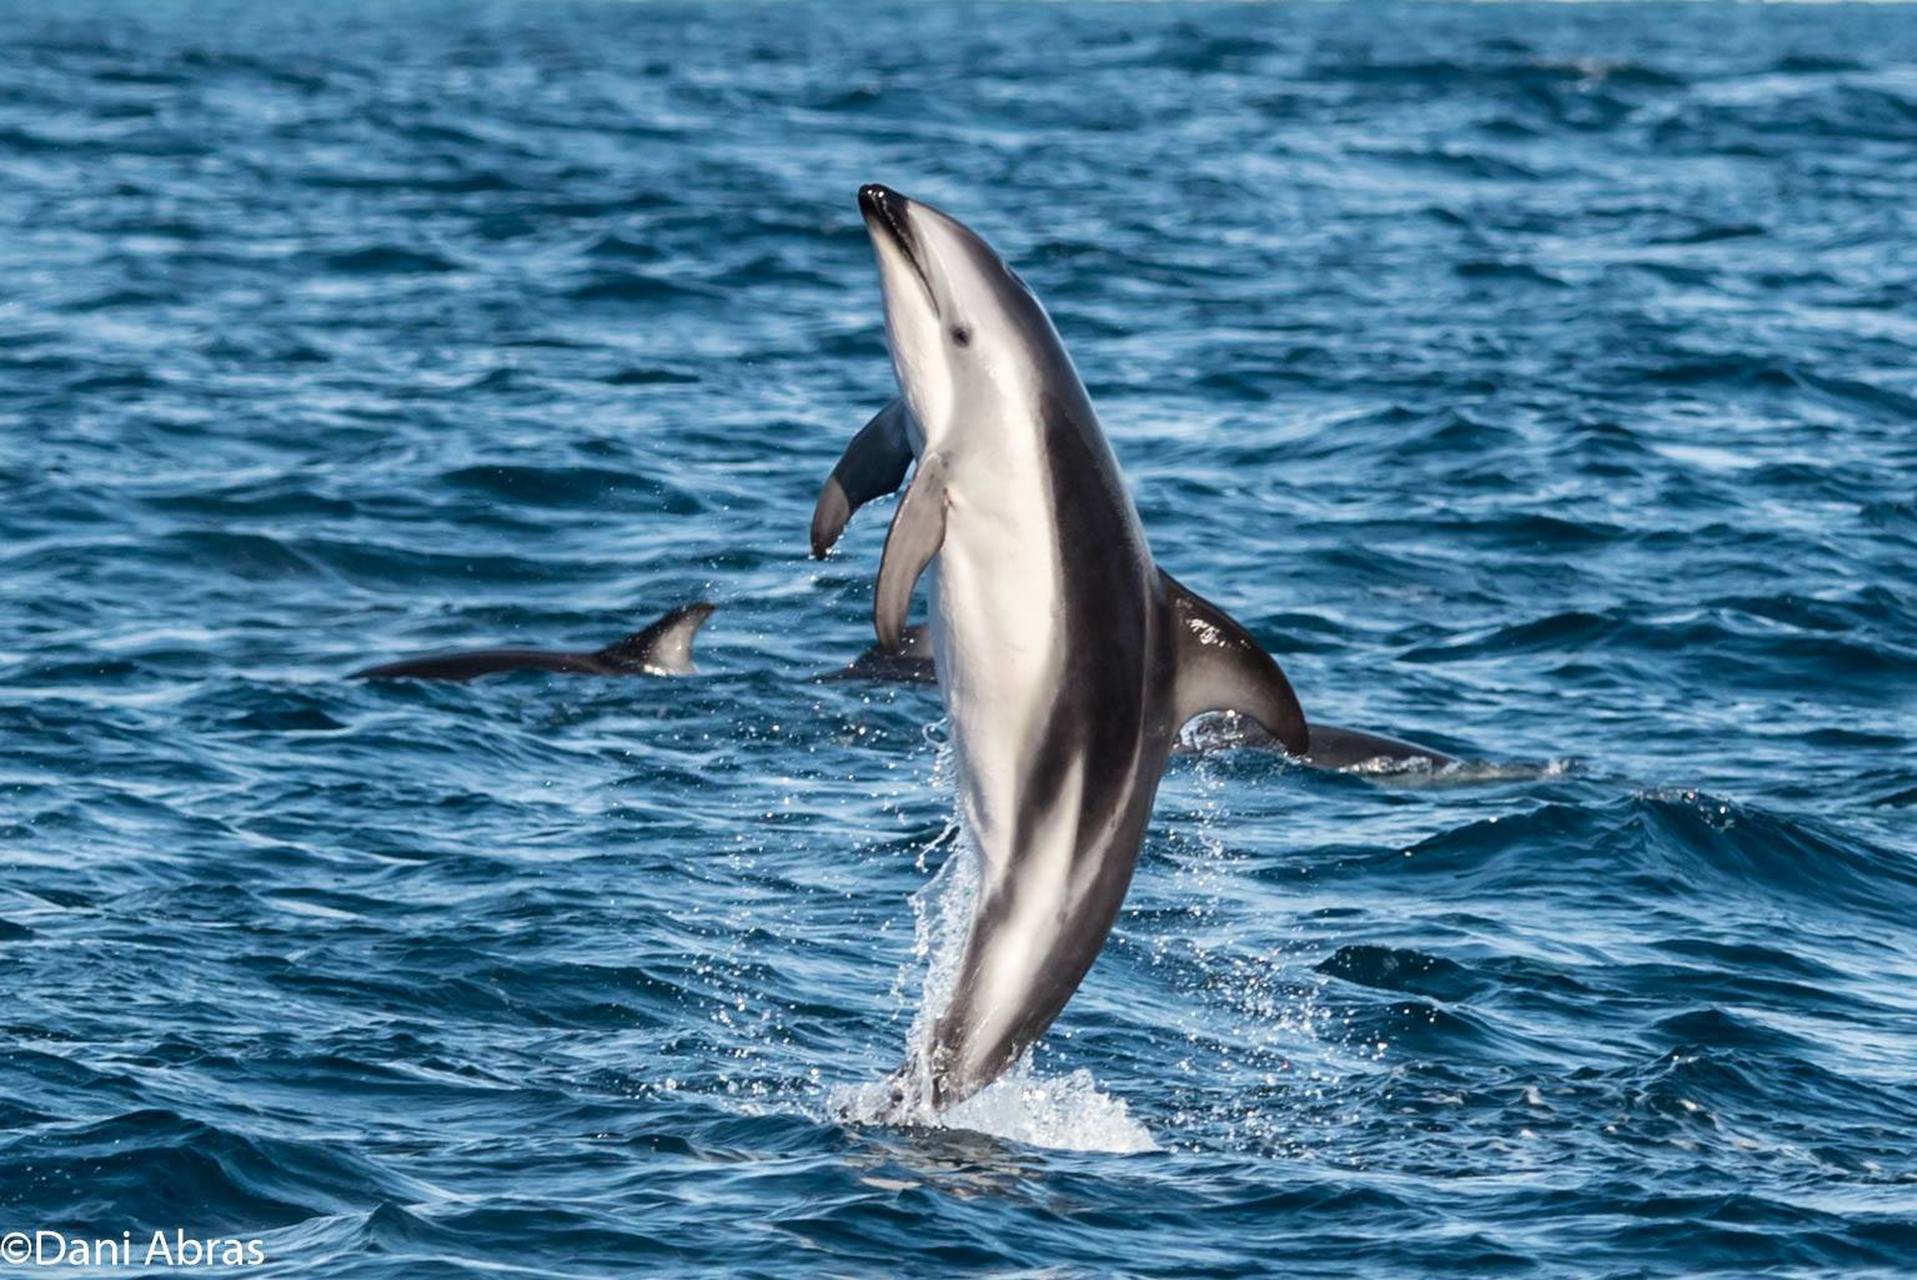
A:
(872, 466)
(918, 530)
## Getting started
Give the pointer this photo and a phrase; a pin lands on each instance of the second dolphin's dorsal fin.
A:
(665, 646)
(917, 532)
(872, 466)
(1221, 668)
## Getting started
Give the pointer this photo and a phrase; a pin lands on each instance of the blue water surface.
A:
(1537, 382)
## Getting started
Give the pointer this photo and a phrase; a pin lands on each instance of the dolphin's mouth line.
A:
(880, 207)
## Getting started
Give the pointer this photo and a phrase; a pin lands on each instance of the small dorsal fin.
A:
(917, 532)
(666, 645)
(1221, 668)
(872, 466)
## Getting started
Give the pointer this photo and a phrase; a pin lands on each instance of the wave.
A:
(1496, 73)
(636, 286)
(1658, 846)
(596, 488)
(1740, 639)
(1754, 122)
(1403, 970)
(388, 260)
(158, 1166)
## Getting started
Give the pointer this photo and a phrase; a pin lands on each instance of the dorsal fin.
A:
(1221, 668)
(666, 645)
(872, 466)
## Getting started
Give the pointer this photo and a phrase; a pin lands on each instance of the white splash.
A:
(1066, 1113)
(1063, 1113)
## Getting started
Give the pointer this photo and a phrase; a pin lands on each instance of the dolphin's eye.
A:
(961, 335)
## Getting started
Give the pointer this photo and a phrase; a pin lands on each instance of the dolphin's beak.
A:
(884, 208)
(886, 214)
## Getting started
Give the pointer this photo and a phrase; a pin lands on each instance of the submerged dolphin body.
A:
(1332, 746)
(1067, 660)
(664, 648)
(910, 663)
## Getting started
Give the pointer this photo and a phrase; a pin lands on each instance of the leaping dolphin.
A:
(1067, 660)
(664, 648)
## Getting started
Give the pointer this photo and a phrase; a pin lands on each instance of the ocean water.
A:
(1537, 382)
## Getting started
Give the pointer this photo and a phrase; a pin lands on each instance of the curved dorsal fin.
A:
(1221, 668)
(666, 645)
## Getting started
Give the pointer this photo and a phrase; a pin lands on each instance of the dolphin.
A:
(664, 648)
(1332, 746)
(910, 663)
(1068, 661)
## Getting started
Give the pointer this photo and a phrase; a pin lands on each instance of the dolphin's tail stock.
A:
(664, 646)
(912, 1094)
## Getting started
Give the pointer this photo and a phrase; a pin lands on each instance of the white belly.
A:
(998, 641)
